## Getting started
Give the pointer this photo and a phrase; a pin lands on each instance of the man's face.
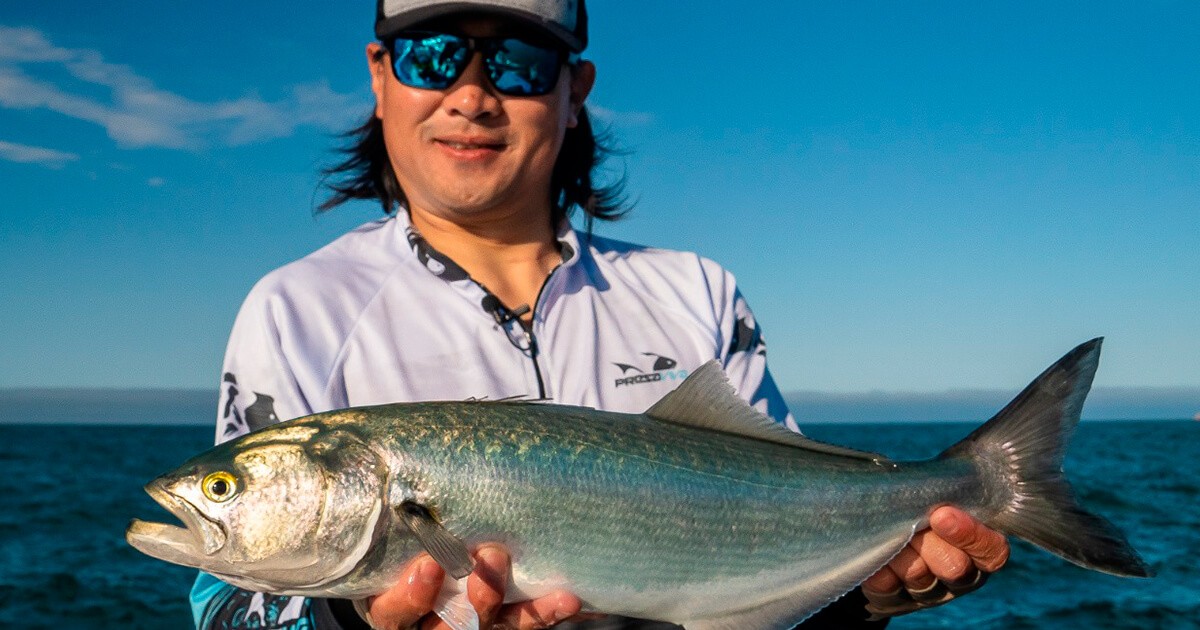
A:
(468, 153)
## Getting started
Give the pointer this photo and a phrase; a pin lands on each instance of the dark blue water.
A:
(69, 492)
(1144, 476)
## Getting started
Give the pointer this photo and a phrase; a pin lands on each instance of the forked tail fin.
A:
(1020, 454)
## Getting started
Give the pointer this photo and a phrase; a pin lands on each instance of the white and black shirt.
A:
(379, 316)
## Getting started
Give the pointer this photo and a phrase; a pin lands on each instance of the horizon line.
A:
(86, 389)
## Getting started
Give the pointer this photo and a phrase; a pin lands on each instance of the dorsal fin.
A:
(707, 400)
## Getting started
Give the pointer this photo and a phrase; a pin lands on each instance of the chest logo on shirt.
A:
(658, 369)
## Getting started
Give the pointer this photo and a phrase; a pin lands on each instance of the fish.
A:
(702, 511)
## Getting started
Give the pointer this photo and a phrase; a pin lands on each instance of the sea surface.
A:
(69, 491)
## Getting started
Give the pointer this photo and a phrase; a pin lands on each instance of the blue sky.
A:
(914, 196)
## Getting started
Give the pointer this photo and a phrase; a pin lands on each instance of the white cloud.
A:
(27, 44)
(155, 182)
(140, 114)
(26, 154)
(623, 119)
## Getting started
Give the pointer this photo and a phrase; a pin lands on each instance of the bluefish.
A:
(701, 511)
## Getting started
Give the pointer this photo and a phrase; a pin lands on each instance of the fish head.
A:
(278, 510)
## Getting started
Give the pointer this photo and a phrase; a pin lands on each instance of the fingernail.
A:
(429, 573)
(922, 590)
(493, 557)
(946, 524)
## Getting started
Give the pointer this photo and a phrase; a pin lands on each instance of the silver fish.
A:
(701, 511)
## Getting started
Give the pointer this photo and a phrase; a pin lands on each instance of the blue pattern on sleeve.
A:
(219, 606)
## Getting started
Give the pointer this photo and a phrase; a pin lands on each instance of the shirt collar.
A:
(443, 267)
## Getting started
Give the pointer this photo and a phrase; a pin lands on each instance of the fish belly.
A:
(649, 521)
(702, 546)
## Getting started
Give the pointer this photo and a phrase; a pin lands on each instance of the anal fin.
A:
(453, 607)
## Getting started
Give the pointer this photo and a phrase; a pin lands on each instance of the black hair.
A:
(366, 173)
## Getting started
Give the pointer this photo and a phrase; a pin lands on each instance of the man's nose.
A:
(473, 96)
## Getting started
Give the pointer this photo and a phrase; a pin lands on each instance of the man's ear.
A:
(583, 77)
(377, 63)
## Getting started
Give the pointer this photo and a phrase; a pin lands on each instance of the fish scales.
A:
(650, 510)
(701, 511)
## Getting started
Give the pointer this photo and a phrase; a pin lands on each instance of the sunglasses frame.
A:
(481, 46)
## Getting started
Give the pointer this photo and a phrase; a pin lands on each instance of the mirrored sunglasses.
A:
(434, 61)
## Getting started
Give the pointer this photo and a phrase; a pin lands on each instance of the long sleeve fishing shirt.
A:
(379, 316)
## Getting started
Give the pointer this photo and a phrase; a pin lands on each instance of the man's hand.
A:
(411, 601)
(952, 558)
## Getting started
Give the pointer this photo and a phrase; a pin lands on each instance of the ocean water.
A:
(71, 490)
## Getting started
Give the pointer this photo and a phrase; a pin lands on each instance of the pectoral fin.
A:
(446, 548)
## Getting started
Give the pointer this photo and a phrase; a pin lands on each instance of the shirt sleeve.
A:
(259, 384)
(259, 387)
(744, 356)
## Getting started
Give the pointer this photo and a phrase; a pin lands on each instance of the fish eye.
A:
(219, 486)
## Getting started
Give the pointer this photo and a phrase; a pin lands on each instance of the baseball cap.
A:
(564, 19)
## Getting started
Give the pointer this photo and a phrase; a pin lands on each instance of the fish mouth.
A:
(190, 545)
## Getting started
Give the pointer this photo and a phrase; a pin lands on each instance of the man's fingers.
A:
(886, 596)
(916, 583)
(404, 604)
(488, 583)
(951, 558)
(910, 567)
(486, 586)
(944, 561)
(883, 582)
(542, 612)
(988, 549)
(966, 586)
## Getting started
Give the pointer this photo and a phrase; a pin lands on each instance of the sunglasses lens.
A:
(520, 69)
(433, 62)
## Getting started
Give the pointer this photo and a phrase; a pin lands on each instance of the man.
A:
(477, 286)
